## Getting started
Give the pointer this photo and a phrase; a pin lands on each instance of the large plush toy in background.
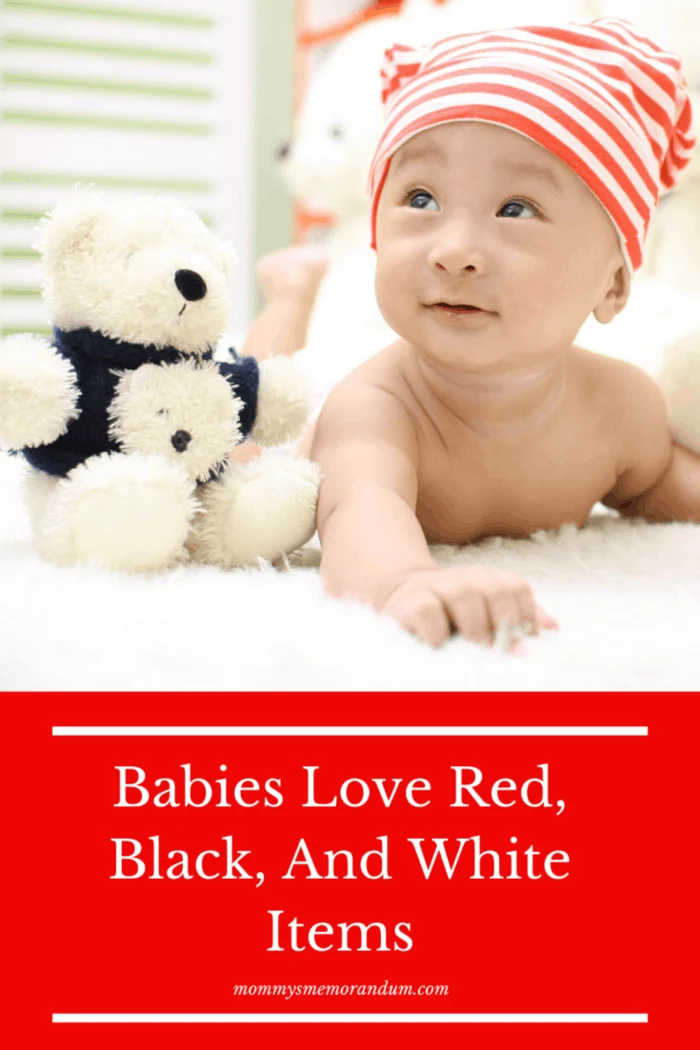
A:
(656, 328)
(673, 248)
(125, 414)
(326, 164)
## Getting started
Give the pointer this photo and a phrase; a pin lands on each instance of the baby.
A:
(511, 189)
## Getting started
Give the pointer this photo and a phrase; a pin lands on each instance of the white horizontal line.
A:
(350, 1018)
(350, 730)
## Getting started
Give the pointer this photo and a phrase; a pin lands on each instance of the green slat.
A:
(123, 14)
(10, 252)
(273, 94)
(112, 86)
(11, 330)
(37, 43)
(21, 215)
(79, 120)
(20, 293)
(108, 181)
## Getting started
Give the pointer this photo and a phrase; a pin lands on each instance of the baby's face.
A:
(502, 233)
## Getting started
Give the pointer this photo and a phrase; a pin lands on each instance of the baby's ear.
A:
(616, 296)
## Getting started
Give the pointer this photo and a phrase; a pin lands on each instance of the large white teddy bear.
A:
(124, 418)
(328, 160)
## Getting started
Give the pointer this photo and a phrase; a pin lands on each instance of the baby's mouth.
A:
(458, 308)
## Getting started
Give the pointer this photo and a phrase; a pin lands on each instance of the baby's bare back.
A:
(475, 480)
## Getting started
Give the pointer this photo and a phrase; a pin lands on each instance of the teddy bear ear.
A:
(70, 227)
(132, 381)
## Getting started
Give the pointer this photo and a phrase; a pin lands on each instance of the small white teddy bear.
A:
(187, 414)
(105, 412)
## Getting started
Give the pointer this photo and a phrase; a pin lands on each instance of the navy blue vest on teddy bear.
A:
(97, 361)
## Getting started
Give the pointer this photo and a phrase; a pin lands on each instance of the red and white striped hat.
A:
(604, 99)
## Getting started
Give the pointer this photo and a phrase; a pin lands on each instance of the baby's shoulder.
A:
(372, 399)
(626, 401)
(616, 384)
(380, 380)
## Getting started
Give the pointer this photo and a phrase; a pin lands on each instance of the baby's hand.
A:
(479, 603)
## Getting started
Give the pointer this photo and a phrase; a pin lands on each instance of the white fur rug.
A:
(627, 596)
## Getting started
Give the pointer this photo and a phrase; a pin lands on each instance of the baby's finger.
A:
(527, 606)
(469, 614)
(545, 620)
(422, 614)
(505, 615)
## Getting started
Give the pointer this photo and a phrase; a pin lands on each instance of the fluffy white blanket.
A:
(627, 596)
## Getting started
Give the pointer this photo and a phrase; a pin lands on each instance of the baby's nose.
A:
(458, 252)
(180, 440)
(190, 285)
(455, 269)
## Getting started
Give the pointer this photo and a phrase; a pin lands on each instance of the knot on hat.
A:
(400, 64)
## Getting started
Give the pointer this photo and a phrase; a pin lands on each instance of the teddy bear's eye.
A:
(336, 132)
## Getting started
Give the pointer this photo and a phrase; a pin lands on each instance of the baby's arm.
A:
(660, 481)
(367, 451)
(676, 497)
(374, 548)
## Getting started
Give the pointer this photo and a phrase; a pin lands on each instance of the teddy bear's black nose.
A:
(190, 285)
(180, 440)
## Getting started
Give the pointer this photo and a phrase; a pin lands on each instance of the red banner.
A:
(492, 870)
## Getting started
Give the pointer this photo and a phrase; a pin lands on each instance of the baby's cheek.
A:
(394, 294)
(546, 304)
(554, 276)
(389, 298)
(392, 274)
(535, 285)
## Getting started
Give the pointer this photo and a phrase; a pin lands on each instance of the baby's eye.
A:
(518, 209)
(422, 200)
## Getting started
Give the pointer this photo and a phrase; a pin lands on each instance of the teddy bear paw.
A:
(127, 512)
(283, 402)
(38, 392)
(258, 510)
